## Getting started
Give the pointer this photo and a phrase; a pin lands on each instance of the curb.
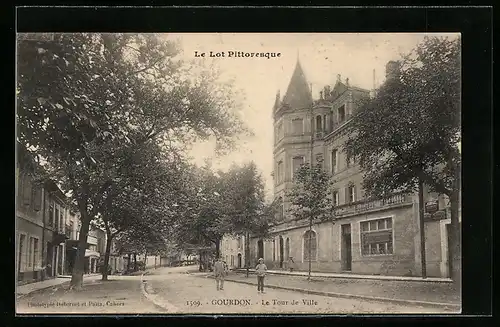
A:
(446, 306)
(157, 300)
(367, 277)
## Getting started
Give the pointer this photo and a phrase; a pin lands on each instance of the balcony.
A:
(397, 199)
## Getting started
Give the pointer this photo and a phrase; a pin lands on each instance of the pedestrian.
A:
(260, 269)
(291, 264)
(219, 274)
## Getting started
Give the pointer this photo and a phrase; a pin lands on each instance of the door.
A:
(239, 260)
(281, 252)
(346, 247)
(48, 260)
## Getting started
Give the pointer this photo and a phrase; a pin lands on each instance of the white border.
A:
(393, 238)
(303, 245)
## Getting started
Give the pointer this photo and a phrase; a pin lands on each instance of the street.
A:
(120, 295)
(184, 290)
(195, 293)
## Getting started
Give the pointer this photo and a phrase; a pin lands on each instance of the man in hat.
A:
(260, 269)
(219, 274)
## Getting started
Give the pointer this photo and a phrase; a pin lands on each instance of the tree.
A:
(82, 96)
(411, 130)
(248, 213)
(311, 199)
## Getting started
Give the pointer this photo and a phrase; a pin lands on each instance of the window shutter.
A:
(26, 190)
(38, 199)
(347, 197)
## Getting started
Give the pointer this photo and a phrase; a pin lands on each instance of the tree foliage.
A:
(310, 195)
(411, 129)
(83, 99)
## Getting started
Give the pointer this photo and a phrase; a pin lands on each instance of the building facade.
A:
(41, 215)
(232, 251)
(366, 236)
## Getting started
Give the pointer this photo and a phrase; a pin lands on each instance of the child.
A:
(260, 269)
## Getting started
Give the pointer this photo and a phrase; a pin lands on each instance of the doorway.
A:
(260, 249)
(346, 253)
(281, 252)
(239, 260)
(49, 260)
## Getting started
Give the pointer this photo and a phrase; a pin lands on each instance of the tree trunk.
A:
(77, 276)
(247, 253)
(135, 261)
(217, 248)
(310, 248)
(421, 212)
(128, 262)
(106, 257)
(455, 247)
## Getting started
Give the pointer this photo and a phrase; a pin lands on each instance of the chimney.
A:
(392, 70)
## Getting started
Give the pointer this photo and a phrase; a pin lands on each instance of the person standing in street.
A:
(260, 269)
(219, 273)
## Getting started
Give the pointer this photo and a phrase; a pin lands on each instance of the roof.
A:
(298, 95)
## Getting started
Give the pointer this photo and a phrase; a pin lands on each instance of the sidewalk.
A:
(352, 276)
(396, 291)
(26, 289)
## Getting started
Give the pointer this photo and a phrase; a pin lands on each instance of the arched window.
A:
(309, 245)
(319, 123)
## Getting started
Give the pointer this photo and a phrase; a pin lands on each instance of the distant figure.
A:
(219, 273)
(260, 269)
(291, 264)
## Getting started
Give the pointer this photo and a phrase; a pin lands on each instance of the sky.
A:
(322, 55)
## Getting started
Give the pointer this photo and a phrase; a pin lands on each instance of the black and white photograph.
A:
(238, 173)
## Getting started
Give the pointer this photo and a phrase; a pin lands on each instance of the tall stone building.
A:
(367, 236)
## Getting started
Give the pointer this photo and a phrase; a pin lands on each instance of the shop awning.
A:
(89, 253)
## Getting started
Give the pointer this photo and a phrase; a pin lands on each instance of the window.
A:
(279, 131)
(297, 126)
(51, 214)
(61, 220)
(37, 196)
(319, 123)
(30, 252)
(279, 172)
(296, 163)
(56, 218)
(309, 245)
(351, 194)
(26, 190)
(376, 237)
(21, 257)
(240, 242)
(334, 159)
(232, 260)
(335, 195)
(35, 252)
(341, 113)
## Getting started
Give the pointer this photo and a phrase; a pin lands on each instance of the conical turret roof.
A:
(298, 95)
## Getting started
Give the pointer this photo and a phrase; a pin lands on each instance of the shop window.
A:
(376, 237)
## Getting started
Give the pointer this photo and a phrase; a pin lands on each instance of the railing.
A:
(370, 204)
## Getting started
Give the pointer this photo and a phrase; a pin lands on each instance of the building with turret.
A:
(367, 236)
